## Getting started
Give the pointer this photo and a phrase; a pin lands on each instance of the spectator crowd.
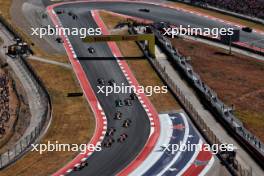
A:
(253, 8)
(4, 103)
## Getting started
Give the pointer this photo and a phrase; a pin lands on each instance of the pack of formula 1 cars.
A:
(125, 123)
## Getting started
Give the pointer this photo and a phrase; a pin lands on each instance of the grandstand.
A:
(4, 103)
(254, 8)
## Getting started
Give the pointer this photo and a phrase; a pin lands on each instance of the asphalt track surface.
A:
(112, 160)
(158, 13)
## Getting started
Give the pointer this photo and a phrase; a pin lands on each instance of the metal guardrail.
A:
(235, 168)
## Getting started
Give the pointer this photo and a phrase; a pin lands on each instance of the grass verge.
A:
(141, 68)
(72, 123)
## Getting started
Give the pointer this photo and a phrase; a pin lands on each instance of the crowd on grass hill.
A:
(253, 8)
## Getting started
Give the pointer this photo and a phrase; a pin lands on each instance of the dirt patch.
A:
(237, 79)
(141, 68)
(218, 15)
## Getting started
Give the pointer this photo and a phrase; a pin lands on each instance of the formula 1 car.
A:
(59, 40)
(122, 137)
(81, 166)
(111, 82)
(110, 132)
(118, 115)
(100, 81)
(91, 50)
(108, 143)
(133, 96)
(60, 12)
(144, 10)
(128, 102)
(75, 17)
(127, 123)
(119, 103)
(247, 29)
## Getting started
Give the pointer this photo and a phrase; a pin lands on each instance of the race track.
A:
(119, 155)
(112, 160)
(158, 13)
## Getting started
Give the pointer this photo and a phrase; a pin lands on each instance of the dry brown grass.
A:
(141, 68)
(237, 79)
(110, 20)
(72, 118)
(1, 41)
(4, 8)
(219, 15)
(72, 123)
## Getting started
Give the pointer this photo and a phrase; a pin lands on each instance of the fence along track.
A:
(24, 144)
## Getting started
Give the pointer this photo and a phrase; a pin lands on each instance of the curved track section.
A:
(145, 126)
(120, 158)
(162, 12)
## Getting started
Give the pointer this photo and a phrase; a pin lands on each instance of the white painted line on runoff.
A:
(185, 138)
(164, 138)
